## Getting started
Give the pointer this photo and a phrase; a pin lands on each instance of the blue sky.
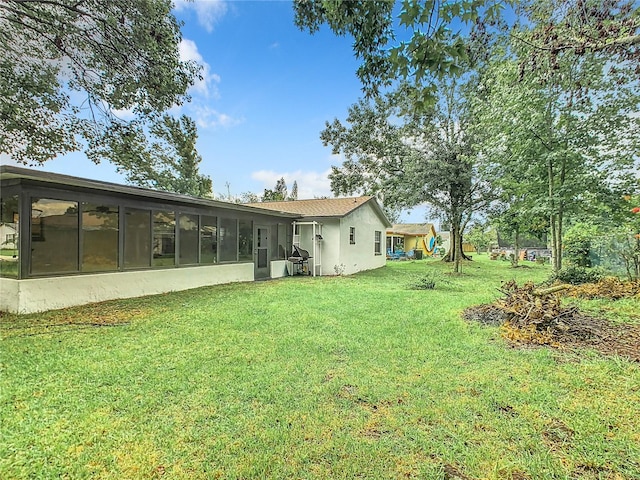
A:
(267, 91)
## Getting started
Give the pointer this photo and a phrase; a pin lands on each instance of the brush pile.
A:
(607, 287)
(530, 316)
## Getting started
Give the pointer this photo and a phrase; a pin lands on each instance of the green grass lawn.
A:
(329, 377)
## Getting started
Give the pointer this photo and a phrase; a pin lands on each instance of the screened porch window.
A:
(137, 238)
(9, 244)
(99, 237)
(245, 244)
(54, 236)
(164, 239)
(208, 239)
(188, 226)
(228, 247)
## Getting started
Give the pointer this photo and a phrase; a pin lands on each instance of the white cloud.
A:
(310, 184)
(209, 12)
(125, 114)
(207, 117)
(208, 84)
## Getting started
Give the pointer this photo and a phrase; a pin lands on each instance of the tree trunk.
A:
(559, 241)
(555, 252)
(455, 253)
(516, 248)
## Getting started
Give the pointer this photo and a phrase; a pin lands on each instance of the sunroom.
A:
(68, 241)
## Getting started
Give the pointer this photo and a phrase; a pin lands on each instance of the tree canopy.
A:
(412, 159)
(166, 160)
(430, 39)
(76, 74)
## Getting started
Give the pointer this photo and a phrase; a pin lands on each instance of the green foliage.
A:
(69, 68)
(170, 162)
(559, 140)
(278, 194)
(429, 281)
(437, 47)
(423, 283)
(411, 159)
(577, 275)
(481, 236)
(294, 191)
(577, 243)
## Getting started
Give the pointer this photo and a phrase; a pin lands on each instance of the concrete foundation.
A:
(41, 294)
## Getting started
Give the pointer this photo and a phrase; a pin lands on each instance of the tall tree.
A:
(410, 160)
(294, 191)
(169, 162)
(278, 194)
(565, 130)
(69, 68)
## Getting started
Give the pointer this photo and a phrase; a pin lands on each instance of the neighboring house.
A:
(8, 235)
(343, 235)
(82, 241)
(529, 246)
(412, 236)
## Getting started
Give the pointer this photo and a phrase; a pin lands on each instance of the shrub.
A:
(576, 275)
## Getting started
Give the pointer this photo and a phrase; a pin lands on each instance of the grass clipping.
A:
(529, 317)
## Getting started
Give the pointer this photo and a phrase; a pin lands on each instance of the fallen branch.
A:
(550, 290)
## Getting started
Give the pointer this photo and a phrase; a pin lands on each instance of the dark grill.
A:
(299, 258)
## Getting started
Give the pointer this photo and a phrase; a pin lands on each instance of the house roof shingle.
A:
(410, 228)
(323, 207)
(317, 207)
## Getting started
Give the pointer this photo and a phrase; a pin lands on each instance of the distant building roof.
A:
(322, 207)
(411, 228)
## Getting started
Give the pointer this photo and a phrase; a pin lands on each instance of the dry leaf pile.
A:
(608, 287)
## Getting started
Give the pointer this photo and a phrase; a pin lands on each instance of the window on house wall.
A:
(99, 237)
(228, 246)
(245, 241)
(164, 239)
(189, 233)
(377, 242)
(208, 239)
(9, 246)
(54, 236)
(352, 235)
(137, 238)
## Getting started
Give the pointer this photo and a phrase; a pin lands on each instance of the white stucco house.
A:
(71, 241)
(342, 235)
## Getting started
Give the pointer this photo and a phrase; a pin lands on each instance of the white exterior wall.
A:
(40, 294)
(329, 245)
(278, 269)
(336, 249)
(361, 255)
(9, 297)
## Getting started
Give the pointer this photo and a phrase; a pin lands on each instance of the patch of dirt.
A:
(98, 315)
(451, 472)
(536, 317)
(488, 314)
